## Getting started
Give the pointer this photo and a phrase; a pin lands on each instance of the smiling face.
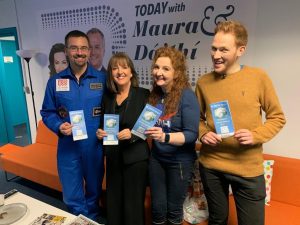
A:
(78, 52)
(121, 74)
(97, 49)
(225, 53)
(60, 61)
(163, 73)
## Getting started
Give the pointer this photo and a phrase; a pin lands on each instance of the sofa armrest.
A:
(285, 181)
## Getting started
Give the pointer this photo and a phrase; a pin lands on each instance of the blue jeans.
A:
(248, 192)
(169, 183)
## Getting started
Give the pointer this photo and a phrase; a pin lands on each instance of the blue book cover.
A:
(147, 119)
(222, 118)
(111, 126)
(79, 129)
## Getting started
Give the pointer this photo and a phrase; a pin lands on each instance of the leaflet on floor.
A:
(111, 126)
(79, 128)
(147, 119)
(222, 118)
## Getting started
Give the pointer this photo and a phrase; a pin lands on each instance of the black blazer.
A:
(135, 149)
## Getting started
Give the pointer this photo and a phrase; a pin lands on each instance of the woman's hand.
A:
(156, 133)
(100, 134)
(124, 134)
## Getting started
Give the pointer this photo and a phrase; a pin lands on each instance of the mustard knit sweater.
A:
(249, 92)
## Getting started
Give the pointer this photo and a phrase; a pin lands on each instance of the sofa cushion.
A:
(7, 148)
(282, 214)
(277, 213)
(285, 180)
(268, 173)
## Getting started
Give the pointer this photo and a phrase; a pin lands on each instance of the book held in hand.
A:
(222, 118)
(49, 219)
(82, 220)
(79, 129)
(111, 126)
(147, 119)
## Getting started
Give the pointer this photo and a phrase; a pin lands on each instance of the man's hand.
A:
(65, 128)
(244, 137)
(211, 139)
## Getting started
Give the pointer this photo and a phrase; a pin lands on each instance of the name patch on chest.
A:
(62, 85)
(96, 86)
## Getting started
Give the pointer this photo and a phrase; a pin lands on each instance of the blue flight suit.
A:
(80, 163)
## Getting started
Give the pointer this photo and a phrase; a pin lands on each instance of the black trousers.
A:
(126, 187)
(249, 195)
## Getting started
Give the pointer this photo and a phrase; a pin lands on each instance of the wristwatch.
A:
(167, 137)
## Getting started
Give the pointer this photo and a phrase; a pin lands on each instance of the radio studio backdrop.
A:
(140, 27)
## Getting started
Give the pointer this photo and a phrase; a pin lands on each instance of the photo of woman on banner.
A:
(57, 59)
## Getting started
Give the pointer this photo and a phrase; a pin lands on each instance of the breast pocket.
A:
(93, 107)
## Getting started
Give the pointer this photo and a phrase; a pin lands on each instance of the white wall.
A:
(275, 49)
(7, 14)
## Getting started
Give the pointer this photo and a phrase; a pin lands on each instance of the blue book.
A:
(111, 126)
(79, 128)
(147, 119)
(222, 118)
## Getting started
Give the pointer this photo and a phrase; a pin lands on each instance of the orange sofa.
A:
(284, 208)
(35, 162)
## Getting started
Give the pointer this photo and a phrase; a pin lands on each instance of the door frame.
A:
(12, 31)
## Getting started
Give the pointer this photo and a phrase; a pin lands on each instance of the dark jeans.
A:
(169, 183)
(249, 195)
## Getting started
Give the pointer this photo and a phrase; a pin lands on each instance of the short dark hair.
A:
(122, 59)
(75, 33)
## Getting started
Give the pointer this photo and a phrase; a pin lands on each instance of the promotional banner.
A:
(139, 28)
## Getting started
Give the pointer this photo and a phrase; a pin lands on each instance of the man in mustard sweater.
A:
(236, 160)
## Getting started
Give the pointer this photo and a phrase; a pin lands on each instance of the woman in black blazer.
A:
(127, 162)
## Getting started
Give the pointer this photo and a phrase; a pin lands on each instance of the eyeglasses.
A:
(76, 48)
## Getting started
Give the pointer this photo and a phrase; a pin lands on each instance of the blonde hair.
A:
(235, 28)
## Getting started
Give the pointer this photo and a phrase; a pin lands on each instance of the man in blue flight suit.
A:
(80, 163)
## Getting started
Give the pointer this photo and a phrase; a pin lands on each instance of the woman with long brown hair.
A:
(173, 146)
